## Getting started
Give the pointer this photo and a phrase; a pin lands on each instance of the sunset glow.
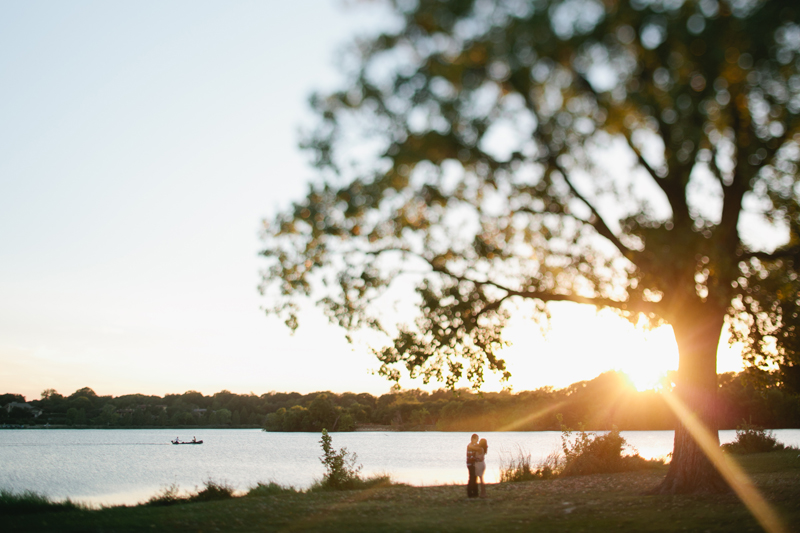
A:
(116, 308)
(582, 343)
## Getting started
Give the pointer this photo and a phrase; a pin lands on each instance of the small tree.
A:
(341, 470)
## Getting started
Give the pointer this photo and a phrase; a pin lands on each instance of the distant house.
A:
(22, 405)
(199, 412)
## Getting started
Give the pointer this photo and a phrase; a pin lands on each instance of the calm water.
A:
(129, 466)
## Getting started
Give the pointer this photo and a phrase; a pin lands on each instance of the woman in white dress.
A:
(480, 464)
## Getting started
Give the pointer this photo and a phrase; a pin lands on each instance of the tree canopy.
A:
(607, 401)
(634, 155)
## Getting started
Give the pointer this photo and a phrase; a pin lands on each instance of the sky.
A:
(141, 145)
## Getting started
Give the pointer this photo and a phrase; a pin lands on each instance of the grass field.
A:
(582, 503)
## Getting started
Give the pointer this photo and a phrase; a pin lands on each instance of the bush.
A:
(752, 439)
(213, 491)
(585, 453)
(29, 502)
(590, 453)
(269, 489)
(361, 483)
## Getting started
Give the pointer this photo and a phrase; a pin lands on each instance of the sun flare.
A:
(646, 378)
(583, 343)
(647, 356)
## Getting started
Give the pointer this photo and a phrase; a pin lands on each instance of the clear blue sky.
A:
(141, 143)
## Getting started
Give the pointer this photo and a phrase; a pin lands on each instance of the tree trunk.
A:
(697, 334)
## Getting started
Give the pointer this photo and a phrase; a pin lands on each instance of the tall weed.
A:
(169, 495)
(521, 468)
(29, 502)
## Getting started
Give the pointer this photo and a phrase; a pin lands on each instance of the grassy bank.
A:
(581, 503)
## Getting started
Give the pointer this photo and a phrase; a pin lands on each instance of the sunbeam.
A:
(512, 426)
(730, 471)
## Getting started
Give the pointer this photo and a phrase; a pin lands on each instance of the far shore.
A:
(368, 427)
(360, 428)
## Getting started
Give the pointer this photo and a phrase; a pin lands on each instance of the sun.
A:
(644, 355)
(644, 379)
(581, 344)
(647, 356)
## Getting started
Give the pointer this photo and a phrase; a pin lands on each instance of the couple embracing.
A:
(476, 465)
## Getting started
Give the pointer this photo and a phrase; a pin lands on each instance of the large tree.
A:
(634, 155)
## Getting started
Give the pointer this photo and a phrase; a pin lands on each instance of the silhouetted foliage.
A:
(169, 495)
(28, 502)
(752, 439)
(269, 489)
(211, 491)
(601, 403)
(521, 468)
(582, 453)
(8, 398)
(609, 153)
(590, 453)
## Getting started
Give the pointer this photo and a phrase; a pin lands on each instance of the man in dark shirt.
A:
(472, 449)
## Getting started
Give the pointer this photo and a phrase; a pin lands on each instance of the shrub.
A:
(29, 502)
(269, 489)
(752, 439)
(361, 483)
(583, 454)
(211, 491)
(590, 453)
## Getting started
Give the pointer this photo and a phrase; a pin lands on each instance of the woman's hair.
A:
(484, 445)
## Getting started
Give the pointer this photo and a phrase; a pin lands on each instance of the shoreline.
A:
(565, 505)
(360, 429)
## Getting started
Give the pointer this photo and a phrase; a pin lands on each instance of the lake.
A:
(130, 466)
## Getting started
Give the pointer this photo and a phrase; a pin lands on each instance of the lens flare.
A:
(516, 424)
(730, 471)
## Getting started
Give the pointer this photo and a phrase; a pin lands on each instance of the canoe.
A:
(187, 442)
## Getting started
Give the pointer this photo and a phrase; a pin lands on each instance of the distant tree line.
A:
(756, 396)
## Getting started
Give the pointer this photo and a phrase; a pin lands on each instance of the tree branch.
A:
(599, 224)
(640, 306)
(792, 252)
(715, 170)
(640, 157)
